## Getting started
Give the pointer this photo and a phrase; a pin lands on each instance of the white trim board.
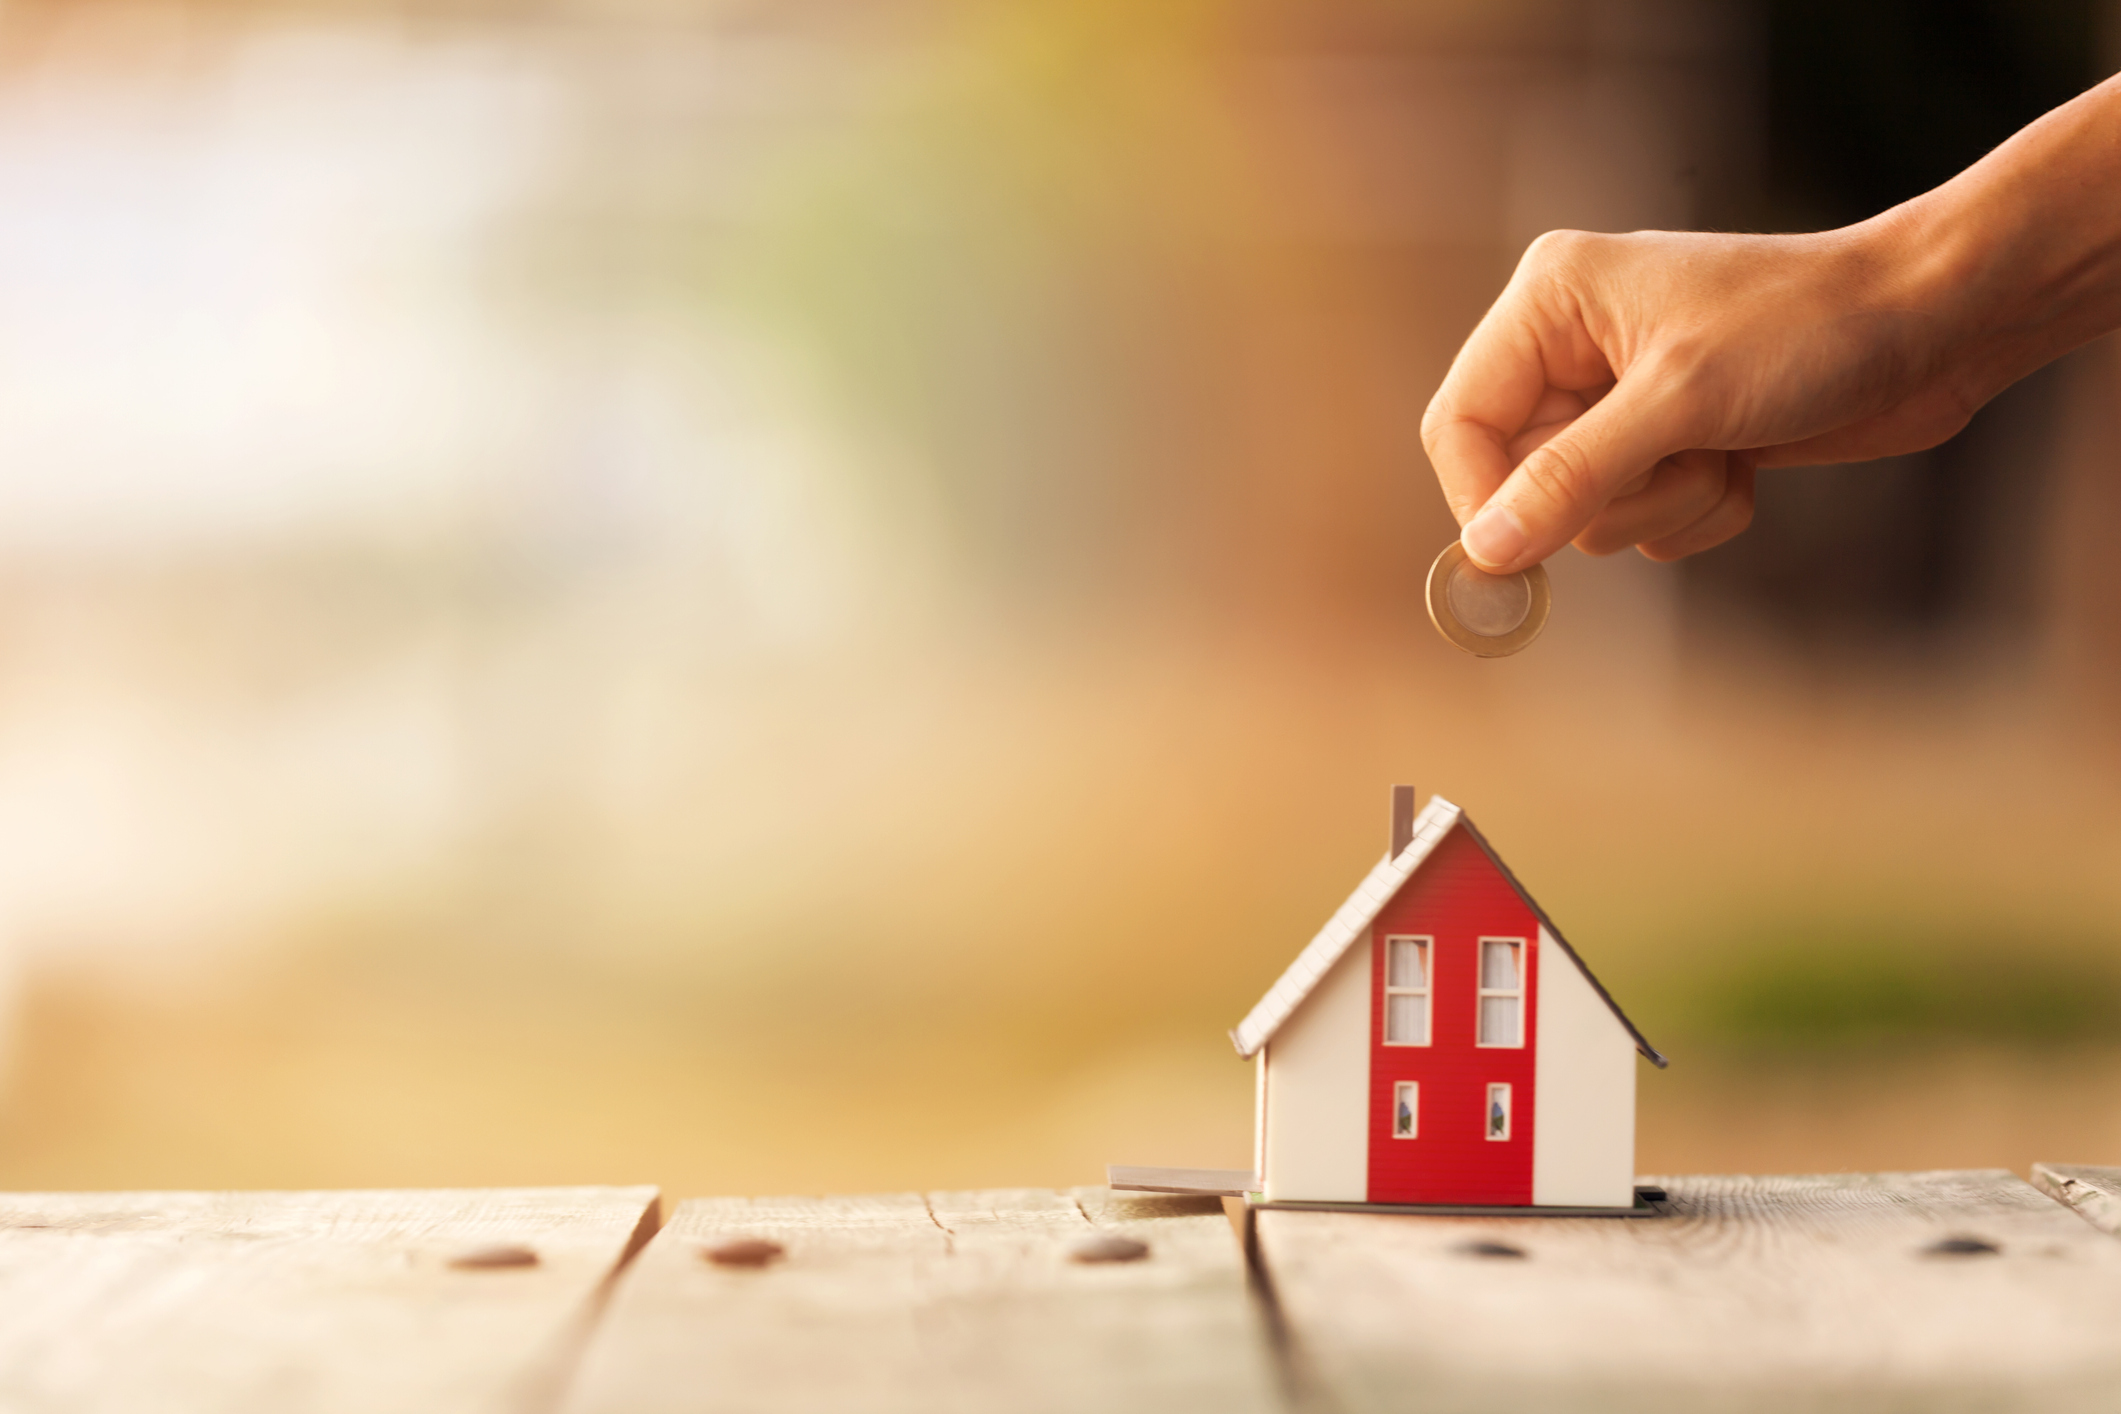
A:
(1583, 1091)
(1317, 1143)
(1353, 918)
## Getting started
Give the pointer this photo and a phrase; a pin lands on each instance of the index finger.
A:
(1532, 340)
(1495, 381)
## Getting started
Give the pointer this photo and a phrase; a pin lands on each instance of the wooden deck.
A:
(1874, 1292)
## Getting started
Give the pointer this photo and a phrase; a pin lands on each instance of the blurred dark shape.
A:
(1865, 106)
(1108, 1247)
(1870, 104)
(1961, 1247)
(745, 1252)
(1914, 547)
(496, 1257)
(1491, 1249)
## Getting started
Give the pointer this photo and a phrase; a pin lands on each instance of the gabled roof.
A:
(1436, 820)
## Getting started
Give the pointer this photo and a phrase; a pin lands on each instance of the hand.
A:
(1623, 389)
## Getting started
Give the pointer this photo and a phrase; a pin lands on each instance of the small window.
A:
(1498, 1112)
(1502, 991)
(1406, 991)
(1406, 1110)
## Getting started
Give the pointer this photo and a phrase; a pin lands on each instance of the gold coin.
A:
(1488, 615)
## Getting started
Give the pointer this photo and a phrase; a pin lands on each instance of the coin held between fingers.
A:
(1487, 615)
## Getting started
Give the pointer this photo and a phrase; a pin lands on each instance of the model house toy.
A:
(1438, 1043)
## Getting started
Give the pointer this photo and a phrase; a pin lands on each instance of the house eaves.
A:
(1361, 909)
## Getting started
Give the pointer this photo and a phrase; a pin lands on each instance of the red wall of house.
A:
(1457, 897)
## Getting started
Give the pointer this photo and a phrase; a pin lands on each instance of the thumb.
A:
(1556, 490)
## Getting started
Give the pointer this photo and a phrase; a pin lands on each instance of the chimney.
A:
(1402, 818)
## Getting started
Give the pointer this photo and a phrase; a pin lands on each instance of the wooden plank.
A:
(1813, 1293)
(303, 1303)
(958, 1302)
(2092, 1191)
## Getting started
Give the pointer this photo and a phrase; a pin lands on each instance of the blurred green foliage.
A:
(1846, 982)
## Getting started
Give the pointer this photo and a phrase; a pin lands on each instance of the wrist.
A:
(2016, 260)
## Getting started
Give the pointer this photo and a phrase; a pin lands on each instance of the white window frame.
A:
(1509, 1111)
(1516, 993)
(1427, 991)
(1411, 1088)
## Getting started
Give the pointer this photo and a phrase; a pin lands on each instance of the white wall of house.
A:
(1583, 1128)
(1314, 1112)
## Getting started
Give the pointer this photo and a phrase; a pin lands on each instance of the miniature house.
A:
(1439, 1042)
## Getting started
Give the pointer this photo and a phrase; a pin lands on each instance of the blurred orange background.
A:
(817, 597)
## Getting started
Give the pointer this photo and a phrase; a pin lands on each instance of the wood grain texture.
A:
(1792, 1293)
(2093, 1191)
(956, 1302)
(301, 1303)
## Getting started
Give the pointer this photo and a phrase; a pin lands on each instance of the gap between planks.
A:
(545, 1384)
(938, 1303)
(1903, 1214)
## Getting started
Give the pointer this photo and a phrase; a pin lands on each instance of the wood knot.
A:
(1486, 1248)
(495, 1256)
(744, 1252)
(1961, 1247)
(1107, 1247)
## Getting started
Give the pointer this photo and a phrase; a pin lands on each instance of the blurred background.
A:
(816, 595)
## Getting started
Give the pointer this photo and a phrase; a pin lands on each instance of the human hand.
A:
(1623, 389)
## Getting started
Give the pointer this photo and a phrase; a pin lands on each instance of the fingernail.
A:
(1494, 538)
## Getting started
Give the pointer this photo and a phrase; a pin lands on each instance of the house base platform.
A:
(1649, 1203)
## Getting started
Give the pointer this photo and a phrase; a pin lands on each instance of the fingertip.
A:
(1495, 539)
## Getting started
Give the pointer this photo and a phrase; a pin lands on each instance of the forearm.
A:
(2021, 252)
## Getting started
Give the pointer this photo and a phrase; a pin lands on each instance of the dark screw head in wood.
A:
(1961, 1247)
(1107, 1247)
(1490, 1249)
(744, 1252)
(500, 1254)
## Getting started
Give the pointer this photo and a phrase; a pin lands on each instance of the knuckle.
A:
(1681, 373)
(1732, 515)
(1682, 376)
(1961, 404)
(1738, 520)
(1703, 483)
(1739, 498)
(1560, 474)
(1558, 248)
(1432, 424)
